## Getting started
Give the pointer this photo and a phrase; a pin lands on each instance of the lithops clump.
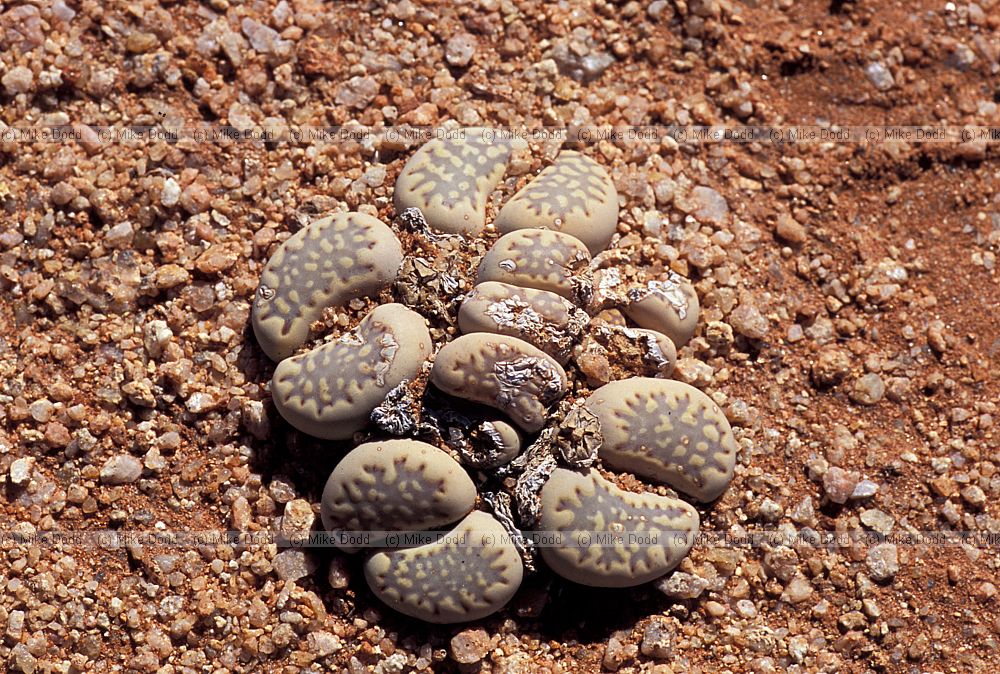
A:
(488, 422)
(503, 372)
(449, 180)
(394, 485)
(331, 390)
(541, 318)
(669, 306)
(472, 572)
(327, 263)
(540, 259)
(611, 537)
(575, 195)
(666, 431)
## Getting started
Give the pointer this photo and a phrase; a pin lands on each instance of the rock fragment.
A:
(868, 389)
(121, 469)
(470, 646)
(21, 469)
(880, 76)
(790, 230)
(459, 49)
(291, 565)
(297, 521)
(680, 585)
(883, 562)
(17, 80)
(832, 365)
(709, 206)
(657, 640)
(748, 321)
(357, 92)
(838, 484)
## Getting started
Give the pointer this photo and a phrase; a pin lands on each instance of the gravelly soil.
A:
(850, 324)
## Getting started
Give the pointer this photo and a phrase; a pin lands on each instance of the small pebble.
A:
(974, 496)
(878, 520)
(832, 365)
(470, 646)
(357, 92)
(323, 643)
(657, 640)
(864, 489)
(616, 654)
(23, 659)
(171, 193)
(883, 562)
(20, 470)
(709, 206)
(121, 469)
(41, 410)
(15, 625)
(868, 389)
(120, 235)
(297, 520)
(879, 75)
(746, 608)
(200, 403)
(18, 80)
(170, 276)
(790, 230)
(839, 484)
(747, 320)
(984, 592)
(680, 585)
(292, 565)
(459, 49)
(798, 590)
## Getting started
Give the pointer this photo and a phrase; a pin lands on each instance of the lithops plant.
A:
(543, 319)
(488, 412)
(449, 180)
(325, 264)
(503, 372)
(575, 195)
(540, 259)
(611, 537)
(669, 306)
(666, 431)
(473, 572)
(331, 390)
(391, 485)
